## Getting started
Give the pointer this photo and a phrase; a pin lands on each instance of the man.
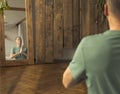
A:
(97, 58)
(18, 52)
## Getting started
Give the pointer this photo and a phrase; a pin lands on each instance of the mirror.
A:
(18, 22)
(16, 47)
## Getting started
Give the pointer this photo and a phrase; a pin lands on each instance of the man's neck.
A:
(114, 24)
(18, 45)
(114, 27)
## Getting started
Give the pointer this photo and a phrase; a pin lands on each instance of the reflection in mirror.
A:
(15, 31)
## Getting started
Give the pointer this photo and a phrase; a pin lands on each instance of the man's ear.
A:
(106, 10)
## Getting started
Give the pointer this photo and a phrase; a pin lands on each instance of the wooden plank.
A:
(88, 19)
(39, 79)
(29, 30)
(40, 30)
(49, 31)
(1, 29)
(1, 36)
(19, 22)
(11, 63)
(16, 9)
(81, 18)
(67, 12)
(81, 25)
(84, 18)
(95, 23)
(92, 17)
(76, 22)
(58, 29)
(2, 41)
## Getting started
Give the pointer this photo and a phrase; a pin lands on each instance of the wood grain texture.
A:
(29, 31)
(40, 30)
(58, 29)
(36, 79)
(76, 23)
(89, 22)
(84, 18)
(67, 12)
(59, 24)
(49, 31)
(92, 10)
(54, 28)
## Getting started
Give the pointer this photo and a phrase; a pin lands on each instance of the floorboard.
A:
(36, 79)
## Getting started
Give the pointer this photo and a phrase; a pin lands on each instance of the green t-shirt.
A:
(97, 59)
(20, 56)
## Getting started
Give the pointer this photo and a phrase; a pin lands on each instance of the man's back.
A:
(98, 57)
(101, 55)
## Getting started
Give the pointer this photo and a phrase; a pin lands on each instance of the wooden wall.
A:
(57, 27)
(62, 24)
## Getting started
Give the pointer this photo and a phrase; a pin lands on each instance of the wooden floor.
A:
(36, 79)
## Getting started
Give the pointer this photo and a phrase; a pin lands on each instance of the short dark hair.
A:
(114, 7)
(18, 37)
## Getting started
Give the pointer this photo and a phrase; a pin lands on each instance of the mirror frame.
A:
(2, 45)
(29, 33)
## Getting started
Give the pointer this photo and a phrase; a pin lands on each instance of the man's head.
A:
(18, 40)
(113, 8)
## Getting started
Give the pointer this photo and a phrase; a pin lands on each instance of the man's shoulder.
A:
(93, 39)
(13, 48)
(95, 36)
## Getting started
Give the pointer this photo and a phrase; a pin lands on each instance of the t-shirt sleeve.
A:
(77, 65)
(25, 50)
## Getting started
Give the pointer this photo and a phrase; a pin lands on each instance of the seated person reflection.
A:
(18, 52)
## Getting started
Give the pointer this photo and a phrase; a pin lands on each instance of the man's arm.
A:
(14, 55)
(23, 53)
(75, 72)
(68, 80)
